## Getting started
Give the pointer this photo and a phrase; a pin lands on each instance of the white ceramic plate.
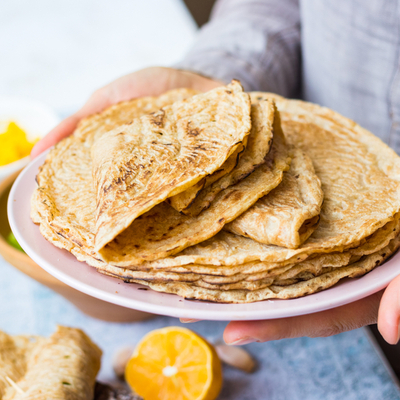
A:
(84, 278)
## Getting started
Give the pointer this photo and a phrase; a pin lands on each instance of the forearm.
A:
(255, 41)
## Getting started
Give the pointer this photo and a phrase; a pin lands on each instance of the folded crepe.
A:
(91, 128)
(264, 120)
(254, 156)
(139, 165)
(65, 197)
(182, 200)
(63, 366)
(66, 200)
(290, 213)
(163, 231)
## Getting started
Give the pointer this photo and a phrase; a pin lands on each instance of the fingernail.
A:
(243, 341)
(188, 320)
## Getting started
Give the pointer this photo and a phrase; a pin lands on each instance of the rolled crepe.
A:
(63, 366)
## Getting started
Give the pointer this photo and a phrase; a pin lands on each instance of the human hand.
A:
(322, 324)
(389, 312)
(146, 82)
(325, 323)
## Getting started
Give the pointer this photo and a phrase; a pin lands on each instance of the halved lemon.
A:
(174, 363)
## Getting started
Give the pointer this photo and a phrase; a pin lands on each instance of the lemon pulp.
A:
(14, 144)
(174, 363)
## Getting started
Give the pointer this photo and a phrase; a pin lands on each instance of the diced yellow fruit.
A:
(174, 363)
(14, 144)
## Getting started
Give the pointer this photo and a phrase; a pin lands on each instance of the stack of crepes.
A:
(222, 196)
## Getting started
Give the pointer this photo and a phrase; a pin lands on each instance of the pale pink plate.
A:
(84, 278)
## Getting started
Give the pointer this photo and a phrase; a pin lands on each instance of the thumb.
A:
(325, 323)
(389, 312)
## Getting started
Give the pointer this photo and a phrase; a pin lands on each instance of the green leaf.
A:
(13, 242)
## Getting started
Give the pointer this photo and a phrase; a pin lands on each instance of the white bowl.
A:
(35, 118)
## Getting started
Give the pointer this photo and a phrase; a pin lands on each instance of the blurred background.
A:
(59, 52)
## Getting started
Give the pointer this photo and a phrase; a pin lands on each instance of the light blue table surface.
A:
(343, 367)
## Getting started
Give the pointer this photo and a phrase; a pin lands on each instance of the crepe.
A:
(195, 199)
(163, 231)
(254, 155)
(183, 200)
(93, 127)
(313, 285)
(139, 165)
(65, 198)
(266, 275)
(14, 353)
(63, 366)
(290, 213)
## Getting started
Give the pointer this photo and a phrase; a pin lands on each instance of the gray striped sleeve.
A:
(255, 41)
